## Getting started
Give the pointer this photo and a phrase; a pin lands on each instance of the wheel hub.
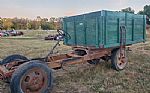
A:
(121, 59)
(34, 81)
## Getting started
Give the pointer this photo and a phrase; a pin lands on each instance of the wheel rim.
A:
(121, 59)
(34, 81)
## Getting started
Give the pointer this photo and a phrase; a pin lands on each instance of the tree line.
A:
(145, 11)
(49, 24)
(27, 24)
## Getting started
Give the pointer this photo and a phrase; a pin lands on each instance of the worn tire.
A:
(115, 61)
(17, 76)
(94, 61)
(12, 58)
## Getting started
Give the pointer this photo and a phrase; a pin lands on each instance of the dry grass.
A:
(102, 79)
(32, 44)
(30, 47)
(87, 78)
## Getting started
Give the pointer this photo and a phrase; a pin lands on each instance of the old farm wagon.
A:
(92, 36)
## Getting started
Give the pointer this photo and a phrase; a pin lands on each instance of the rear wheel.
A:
(10, 62)
(31, 77)
(13, 58)
(119, 59)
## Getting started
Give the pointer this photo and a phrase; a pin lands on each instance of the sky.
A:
(60, 8)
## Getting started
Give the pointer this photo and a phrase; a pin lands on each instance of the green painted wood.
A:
(65, 30)
(144, 28)
(133, 29)
(75, 34)
(97, 32)
(91, 32)
(102, 28)
(118, 30)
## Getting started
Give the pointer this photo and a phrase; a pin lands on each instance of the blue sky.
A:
(60, 8)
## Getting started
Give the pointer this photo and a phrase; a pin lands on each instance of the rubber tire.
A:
(114, 60)
(94, 61)
(17, 75)
(12, 58)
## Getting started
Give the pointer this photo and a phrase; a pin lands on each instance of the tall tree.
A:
(1, 23)
(25, 24)
(34, 25)
(128, 10)
(19, 23)
(44, 19)
(45, 26)
(146, 11)
(7, 23)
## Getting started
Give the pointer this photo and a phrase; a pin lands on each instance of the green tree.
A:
(44, 20)
(1, 23)
(52, 26)
(48, 26)
(45, 26)
(146, 10)
(7, 23)
(19, 23)
(28, 25)
(25, 24)
(141, 12)
(128, 10)
(34, 25)
(15, 22)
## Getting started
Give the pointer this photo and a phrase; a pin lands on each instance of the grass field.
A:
(85, 78)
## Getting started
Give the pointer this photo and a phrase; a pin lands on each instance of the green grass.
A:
(102, 79)
(85, 78)
(28, 47)
(38, 34)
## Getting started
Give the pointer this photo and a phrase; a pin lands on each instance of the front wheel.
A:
(119, 59)
(31, 77)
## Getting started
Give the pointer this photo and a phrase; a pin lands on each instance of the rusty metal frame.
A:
(57, 61)
(5, 73)
(73, 58)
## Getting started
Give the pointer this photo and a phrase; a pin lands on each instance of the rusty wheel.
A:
(34, 81)
(119, 59)
(31, 77)
(10, 62)
(13, 58)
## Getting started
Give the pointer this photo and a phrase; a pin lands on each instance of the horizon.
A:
(49, 8)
